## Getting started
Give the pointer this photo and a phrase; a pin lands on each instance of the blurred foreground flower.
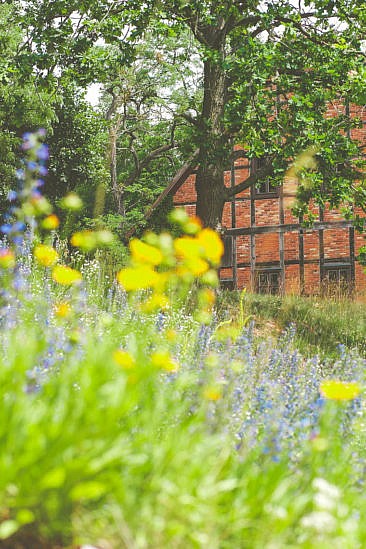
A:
(163, 361)
(90, 240)
(63, 310)
(50, 222)
(162, 264)
(137, 278)
(7, 258)
(124, 359)
(45, 255)
(66, 276)
(339, 390)
(71, 202)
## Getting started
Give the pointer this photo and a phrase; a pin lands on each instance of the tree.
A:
(24, 104)
(263, 87)
(269, 71)
(145, 105)
(77, 150)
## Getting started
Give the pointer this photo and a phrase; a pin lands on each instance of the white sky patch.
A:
(93, 94)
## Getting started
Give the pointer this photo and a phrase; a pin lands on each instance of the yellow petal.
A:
(339, 390)
(213, 392)
(144, 253)
(212, 245)
(63, 310)
(196, 266)
(50, 222)
(187, 247)
(123, 359)
(164, 361)
(86, 240)
(65, 275)
(137, 278)
(45, 255)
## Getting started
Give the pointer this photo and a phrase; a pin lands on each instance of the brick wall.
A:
(273, 237)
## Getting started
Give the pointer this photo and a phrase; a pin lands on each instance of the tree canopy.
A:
(265, 74)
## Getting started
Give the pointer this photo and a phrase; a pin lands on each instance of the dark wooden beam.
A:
(317, 226)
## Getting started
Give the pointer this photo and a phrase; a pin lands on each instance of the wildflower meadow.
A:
(135, 413)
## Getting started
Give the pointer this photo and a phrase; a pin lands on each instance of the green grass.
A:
(138, 457)
(321, 324)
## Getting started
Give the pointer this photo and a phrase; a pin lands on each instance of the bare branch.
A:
(142, 164)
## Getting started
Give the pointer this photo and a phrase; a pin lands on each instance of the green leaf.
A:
(8, 528)
(25, 516)
(88, 490)
(54, 478)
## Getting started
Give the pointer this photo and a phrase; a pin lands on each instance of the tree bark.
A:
(214, 143)
(117, 190)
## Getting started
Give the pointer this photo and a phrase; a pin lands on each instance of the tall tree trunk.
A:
(117, 190)
(214, 142)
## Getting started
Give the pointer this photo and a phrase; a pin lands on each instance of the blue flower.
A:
(42, 170)
(42, 152)
(6, 228)
(12, 195)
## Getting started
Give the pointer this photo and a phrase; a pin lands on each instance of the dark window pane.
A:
(227, 258)
(337, 280)
(266, 186)
(268, 282)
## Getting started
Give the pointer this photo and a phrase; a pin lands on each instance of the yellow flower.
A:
(164, 361)
(86, 240)
(123, 359)
(144, 253)
(196, 266)
(65, 275)
(211, 244)
(155, 302)
(71, 202)
(138, 278)
(339, 390)
(213, 392)
(45, 255)
(62, 310)
(187, 247)
(7, 258)
(50, 222)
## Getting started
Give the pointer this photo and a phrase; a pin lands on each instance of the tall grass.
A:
(236, 448)
(322, 324)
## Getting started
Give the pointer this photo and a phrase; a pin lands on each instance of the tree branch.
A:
(251, 180)
(146, 161)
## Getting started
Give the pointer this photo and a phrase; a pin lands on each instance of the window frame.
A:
(341, 285)
(270, 190)
(269, 272)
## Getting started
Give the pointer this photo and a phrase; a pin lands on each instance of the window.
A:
(338, 274)
(265, 187)
(227, 258)
(337, 279)
(268, 281)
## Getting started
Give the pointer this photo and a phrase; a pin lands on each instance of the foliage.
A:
(24, 103)
(227, 71)
(144, 104)
(78, 159)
